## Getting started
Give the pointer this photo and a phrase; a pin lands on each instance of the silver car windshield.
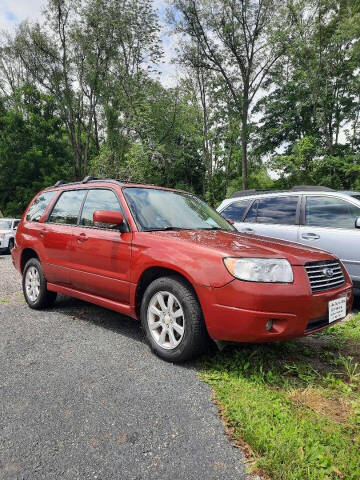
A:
(5, 224)
(155, 209)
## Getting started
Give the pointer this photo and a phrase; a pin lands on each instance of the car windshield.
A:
(156, 209)
(5, 224)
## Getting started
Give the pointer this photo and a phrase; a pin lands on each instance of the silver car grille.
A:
(324, 275)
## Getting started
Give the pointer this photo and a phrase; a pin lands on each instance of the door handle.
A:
(310, 236)
(247, 230)
(42, 232)
(82, 238)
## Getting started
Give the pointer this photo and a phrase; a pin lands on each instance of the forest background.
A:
(266, 96)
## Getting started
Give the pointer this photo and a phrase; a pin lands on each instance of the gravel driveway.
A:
(82, 397)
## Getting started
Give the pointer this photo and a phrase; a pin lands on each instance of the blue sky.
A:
(14, 11)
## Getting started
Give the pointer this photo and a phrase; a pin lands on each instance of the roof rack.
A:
(87, 179)
(59, 182)
(245, 193)
(310, 188)
(296, 188)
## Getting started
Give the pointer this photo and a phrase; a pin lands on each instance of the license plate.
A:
(337, 309)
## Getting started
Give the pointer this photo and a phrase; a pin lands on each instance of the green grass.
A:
(296, 404)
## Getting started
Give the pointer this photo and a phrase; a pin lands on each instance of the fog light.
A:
(269, 325)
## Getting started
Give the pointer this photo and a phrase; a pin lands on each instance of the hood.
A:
(235, 244)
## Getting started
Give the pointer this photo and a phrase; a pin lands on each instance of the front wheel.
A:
(35, 289)
(172, 320)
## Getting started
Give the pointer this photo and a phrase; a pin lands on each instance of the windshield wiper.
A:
(165, 228)
(211, 228)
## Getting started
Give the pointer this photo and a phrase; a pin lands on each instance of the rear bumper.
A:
(239, 311)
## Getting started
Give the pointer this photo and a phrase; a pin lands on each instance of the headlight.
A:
(275, 270)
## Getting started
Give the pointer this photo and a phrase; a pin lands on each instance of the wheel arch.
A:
(26, 254)
(151, 274)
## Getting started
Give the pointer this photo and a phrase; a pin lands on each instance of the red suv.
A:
(166, 257)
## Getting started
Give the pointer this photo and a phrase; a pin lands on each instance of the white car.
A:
(8, 228)
(315, 216)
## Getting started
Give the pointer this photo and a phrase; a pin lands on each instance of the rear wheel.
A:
(172, 319)
(35, 289)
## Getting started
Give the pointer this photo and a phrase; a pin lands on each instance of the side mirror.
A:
(108, 216)
(357, 222)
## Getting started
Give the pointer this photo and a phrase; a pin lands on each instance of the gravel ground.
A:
(82, 397)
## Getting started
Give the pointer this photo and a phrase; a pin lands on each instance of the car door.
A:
(56, 234)
(273, 216)
(328, 222)
(101, 254)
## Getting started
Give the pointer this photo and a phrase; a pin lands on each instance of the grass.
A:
(295, 404)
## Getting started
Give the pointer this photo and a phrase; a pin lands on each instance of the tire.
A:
(11, 244)
(177, 297)
(34, 286)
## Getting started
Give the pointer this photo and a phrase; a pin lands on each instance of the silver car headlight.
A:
(273, 270)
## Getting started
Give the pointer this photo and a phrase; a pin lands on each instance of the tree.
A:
(34, 150)
(315, 90)
(159, 144)
(71, 56)
(234, 39)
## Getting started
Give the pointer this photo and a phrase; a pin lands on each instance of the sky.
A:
(13, 12)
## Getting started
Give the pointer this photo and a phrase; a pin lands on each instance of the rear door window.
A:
(39, 206)
(236, 211)
(67, 207)
(277, 210)
(274, 210)
(330, 212)
(98, 199)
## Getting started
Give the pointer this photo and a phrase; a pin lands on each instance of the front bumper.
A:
(239, 311)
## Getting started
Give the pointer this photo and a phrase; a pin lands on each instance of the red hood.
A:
(235, 244)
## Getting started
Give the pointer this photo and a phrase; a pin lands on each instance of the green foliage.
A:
(295, 404)
(306, 165)
(167, 152)
(79, 95)
(34, 151)
(311, 111)
(258, 179)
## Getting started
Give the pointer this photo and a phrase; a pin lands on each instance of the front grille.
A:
(320, 279)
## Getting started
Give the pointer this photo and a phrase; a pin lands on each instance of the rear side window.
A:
(98, 200)
(39, 206)
(330, 212)
(274, 210)
(236, 210)
(67, 208)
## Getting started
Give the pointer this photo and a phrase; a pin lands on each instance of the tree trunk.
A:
(244, 137)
